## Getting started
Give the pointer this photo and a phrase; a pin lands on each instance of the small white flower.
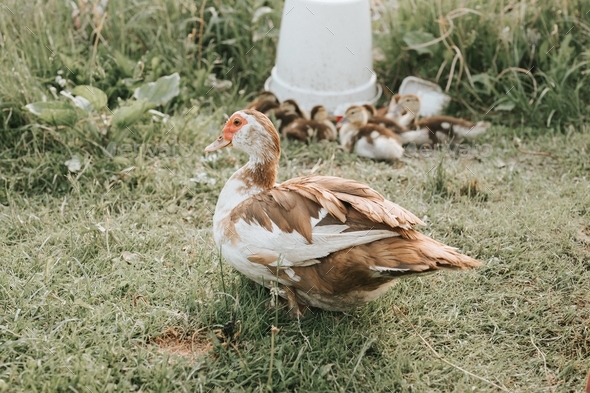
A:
(74, 164)
(53, 91)
(60, 81)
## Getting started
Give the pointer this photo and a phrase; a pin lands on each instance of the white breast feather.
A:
(419, 137)
(382, 148)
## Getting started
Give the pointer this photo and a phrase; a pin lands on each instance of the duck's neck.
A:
(259, 174)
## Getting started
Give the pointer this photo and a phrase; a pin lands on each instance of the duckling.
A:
(436, 129)
(446, 129)
(266, 102)
(405, 112)
(286, 113)
(291, 106)
(319, 127)
(383, 121)
(368, 140)
(392, 104)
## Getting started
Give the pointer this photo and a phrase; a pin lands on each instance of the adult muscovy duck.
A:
(325, 241)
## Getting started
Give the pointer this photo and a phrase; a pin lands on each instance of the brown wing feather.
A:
(290, 205)
(349, 274)
(365, 267)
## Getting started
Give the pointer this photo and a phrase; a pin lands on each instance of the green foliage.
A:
(126, 115)
(519, 63)
(160, 91)
(84, 44)
(95, 96)
(96, 265)
(57, 113)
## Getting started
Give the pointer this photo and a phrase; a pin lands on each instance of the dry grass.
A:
(175, 340)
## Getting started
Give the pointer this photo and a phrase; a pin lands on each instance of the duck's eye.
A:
(236, 122)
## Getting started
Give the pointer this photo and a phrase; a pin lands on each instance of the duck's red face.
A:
(233, 125)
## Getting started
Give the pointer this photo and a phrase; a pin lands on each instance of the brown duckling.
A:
(266, 102)
(318, 128)
(366, 139)
(383, 121)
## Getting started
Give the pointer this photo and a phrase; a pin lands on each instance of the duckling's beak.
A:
(341, 121)
(219, 143)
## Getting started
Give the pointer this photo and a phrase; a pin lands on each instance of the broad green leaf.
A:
(54, 112)
(126, 115)
(94, 95)
(160, 91)
(418, 37)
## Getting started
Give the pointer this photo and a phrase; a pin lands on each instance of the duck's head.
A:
(409, 103)
(291, 107)
(252, 132)
(319, 113)
(356, 115)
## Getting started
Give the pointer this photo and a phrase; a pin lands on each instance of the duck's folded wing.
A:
(307, 218)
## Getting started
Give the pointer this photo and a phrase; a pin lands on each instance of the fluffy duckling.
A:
(383, 121)
(446, 129)
(318, 128)
(266, 102)
(368, 140)
(287, 113)
(405, 112)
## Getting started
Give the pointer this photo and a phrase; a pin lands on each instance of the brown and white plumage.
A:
(366, 139)
(405, 112)
(436, 129)
(287, 112)
(383, 121)
(265, 102)
(318, 128)
(325, 241)
(447, 129)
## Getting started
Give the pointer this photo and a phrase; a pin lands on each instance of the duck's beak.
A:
(219, 143)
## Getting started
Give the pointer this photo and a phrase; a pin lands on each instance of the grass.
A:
(109, 277)
(91, 278)
(523, 59)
